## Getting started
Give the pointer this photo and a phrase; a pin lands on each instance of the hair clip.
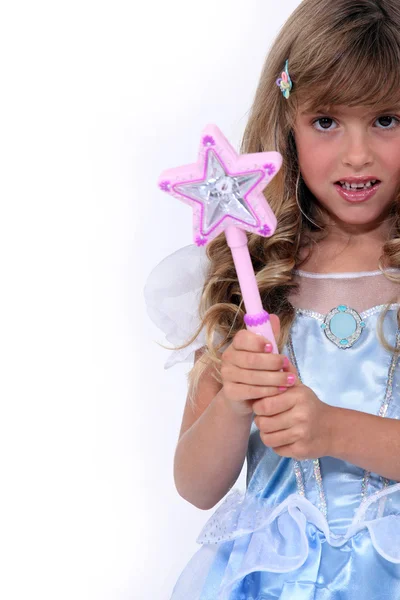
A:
(284, 82)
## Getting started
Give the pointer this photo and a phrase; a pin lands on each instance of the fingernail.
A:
(286, 362)
(282, 389)
(268, 348)
(291, 379)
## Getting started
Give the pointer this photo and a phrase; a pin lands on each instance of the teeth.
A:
(357, 186)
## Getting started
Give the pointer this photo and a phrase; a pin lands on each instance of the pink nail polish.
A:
(268, 348)
(286, 362)
(291, 379)
(282, 389)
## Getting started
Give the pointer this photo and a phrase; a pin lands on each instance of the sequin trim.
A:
(318, 477)
(316, 464)
(382, 413)
(296, 464)
(310, 313)
(342, 275)
(365, 314)
(299, 478)
(375, 309)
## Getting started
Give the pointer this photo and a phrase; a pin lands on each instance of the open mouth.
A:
(358, 187)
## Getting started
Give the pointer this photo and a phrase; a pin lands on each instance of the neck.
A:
(336, 254)
(346, 248)
(354, 239)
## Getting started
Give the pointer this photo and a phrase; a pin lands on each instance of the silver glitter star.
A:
(221, 195)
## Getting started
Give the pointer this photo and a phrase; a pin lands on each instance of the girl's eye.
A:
(387, 118)
(325, 123)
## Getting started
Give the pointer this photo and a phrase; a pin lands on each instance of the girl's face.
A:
(350, 142)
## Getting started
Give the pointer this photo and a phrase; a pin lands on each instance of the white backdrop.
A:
(97, 98)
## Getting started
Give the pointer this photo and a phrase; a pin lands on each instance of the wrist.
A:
(227, 407)
(333, 421)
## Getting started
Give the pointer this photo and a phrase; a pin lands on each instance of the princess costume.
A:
(319, 529)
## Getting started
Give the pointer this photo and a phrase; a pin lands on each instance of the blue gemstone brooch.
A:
(343, 326)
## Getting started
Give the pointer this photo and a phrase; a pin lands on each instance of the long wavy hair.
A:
(340, 52)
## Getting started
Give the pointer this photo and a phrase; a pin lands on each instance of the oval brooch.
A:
(343, 326)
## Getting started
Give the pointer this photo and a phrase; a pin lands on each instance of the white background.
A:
(97, 98)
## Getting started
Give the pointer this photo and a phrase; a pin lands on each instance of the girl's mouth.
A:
(359, 186)
(359, 194)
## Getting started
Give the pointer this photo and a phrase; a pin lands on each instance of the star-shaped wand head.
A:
(224, 188)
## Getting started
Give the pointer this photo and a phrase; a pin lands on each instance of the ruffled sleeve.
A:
(172, 294)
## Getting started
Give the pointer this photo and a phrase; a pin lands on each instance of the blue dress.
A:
(320, 529)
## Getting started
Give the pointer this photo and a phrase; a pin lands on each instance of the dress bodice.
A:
(365, 378)
(290, 500)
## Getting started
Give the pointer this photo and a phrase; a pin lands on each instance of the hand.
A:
(296, 424)
(249, 373)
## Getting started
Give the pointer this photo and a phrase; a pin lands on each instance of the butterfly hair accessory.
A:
(284, 82)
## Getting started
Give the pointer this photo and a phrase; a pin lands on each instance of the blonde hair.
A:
(339, 52)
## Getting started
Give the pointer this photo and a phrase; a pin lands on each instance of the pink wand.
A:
(225, 191)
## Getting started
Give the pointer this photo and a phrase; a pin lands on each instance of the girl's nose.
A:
(357, 150)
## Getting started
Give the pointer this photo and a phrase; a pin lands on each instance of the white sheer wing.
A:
(172, 293)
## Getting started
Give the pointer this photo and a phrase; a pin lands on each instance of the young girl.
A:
(319, 422)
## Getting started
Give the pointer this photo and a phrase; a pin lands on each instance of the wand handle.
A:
(256, 319)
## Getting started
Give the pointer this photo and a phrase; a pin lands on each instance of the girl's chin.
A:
(361, 217)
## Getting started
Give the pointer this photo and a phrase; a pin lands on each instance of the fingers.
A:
(290, 368)
(249, 341)
(250, 373)
(240, 391)
(247, 352)
(276, 325)
(280, 438)
(275, 378)
(269, 407)
(278, 423)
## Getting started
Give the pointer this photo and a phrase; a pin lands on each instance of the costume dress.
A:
(320, 529)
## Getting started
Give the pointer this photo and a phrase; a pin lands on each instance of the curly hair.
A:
(339, 52)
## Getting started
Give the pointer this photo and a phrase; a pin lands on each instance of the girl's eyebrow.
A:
(313, 112)
(333, 110)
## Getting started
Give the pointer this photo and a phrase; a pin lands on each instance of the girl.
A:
(318, 422)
